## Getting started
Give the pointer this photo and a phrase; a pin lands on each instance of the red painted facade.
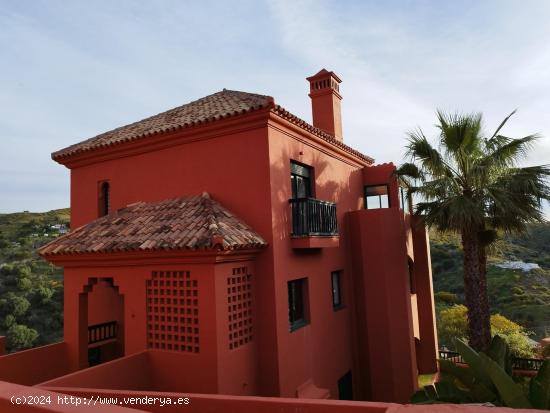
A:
(236, 338)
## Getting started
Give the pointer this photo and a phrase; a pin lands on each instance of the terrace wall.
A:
(36, 365)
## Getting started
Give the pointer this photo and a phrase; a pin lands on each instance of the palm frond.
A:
(508, 151)
(431, 161)
(459, 132)
(409, 170)
(471, 181)
(502, 124)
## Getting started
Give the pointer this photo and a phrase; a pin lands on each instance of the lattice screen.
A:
(173, 311)
(239, 300)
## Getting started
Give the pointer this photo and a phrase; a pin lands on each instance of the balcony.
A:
(99, 333)
(314, 223)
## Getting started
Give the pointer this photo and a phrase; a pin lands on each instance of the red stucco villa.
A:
(227, 249)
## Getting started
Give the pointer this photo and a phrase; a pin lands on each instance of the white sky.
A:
(70, 70)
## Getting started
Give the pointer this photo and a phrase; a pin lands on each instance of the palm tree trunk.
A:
(474, 290)
(484, 298)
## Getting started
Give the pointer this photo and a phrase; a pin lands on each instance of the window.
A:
(412, 280)
(345, 387)
(404, 199)
(336, 284)
(376, 196)
(104, 198)
(297, 303)
(300, 180)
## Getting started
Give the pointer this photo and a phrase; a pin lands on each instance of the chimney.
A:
(324, 91)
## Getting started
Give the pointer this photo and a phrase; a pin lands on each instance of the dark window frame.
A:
(337, 293)
(387, 194)
(298, 306)
(104, 198)
(304, 173)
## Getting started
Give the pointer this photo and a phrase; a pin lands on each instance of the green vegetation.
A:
(425, 380)
(453, 324)
(487, 379)
(523, 297)
(473, 186)
(31, 290)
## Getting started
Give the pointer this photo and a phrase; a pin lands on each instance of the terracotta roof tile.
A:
(227, 103)
(209, 108)
(196, 222)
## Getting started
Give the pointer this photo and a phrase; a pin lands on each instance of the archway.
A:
(105, 320)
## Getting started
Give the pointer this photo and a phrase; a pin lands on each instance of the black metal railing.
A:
(527, 364)
(517, 362)
(451, 356)
(313, 217)
(102, 332)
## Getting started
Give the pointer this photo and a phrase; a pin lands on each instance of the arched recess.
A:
(101, 321)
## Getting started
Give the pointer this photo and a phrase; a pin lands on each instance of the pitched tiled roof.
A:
(187, 223)
(212, 107)
(226, 103)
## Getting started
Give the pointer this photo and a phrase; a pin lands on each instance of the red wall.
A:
(385, 323)
(237, 367)
(320, 351)
(427, 347)
(35, 365)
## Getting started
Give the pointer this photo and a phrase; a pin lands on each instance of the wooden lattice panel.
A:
(239, 306)
(173, 311)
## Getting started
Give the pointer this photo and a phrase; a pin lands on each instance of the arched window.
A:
(104, 199)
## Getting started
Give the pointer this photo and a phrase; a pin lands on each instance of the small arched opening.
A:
(105, 321)
(104, 199)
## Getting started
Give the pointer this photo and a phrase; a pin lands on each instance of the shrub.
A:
(20, 337)
(453, 324)
(487, 378)
(446, 297)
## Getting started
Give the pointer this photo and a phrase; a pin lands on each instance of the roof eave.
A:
(153, 257)
(161, 140)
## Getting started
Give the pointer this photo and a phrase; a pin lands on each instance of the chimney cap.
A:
(322, 74)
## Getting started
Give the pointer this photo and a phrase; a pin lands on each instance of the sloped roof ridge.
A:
(249, 102)
(219, 105)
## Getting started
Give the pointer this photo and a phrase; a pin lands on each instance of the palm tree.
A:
(472, 185)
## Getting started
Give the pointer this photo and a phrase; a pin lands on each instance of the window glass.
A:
(376, 196)
(336, 289)
(296, 303)
(300, 179)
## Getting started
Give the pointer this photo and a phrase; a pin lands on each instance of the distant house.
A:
(60, 228)
(244, 251)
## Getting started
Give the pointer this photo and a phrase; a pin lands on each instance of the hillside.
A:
(522, 296)
(31, 290)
